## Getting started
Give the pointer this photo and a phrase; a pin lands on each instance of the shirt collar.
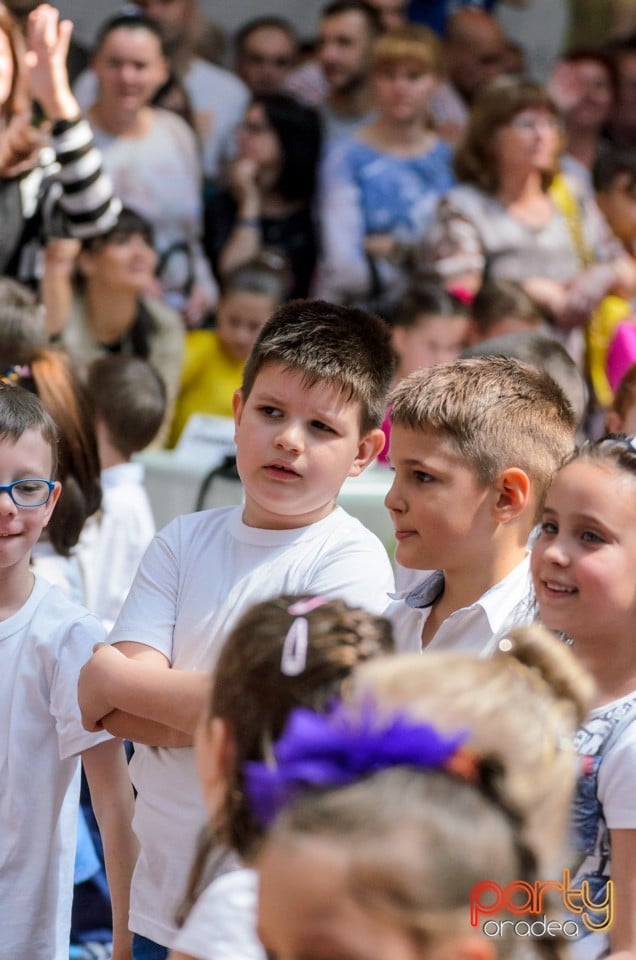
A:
(495, 602)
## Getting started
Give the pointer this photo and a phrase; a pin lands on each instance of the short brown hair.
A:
(498, 298)
(347, 348)
(413, 43)
(497, 413)
(496, 105)
(129, 397)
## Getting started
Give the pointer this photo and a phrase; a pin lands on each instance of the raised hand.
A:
(48, 40)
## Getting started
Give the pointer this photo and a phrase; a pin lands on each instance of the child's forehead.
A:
(294, 382)
(31, 445)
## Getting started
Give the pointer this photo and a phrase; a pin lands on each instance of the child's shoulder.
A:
(49, 618)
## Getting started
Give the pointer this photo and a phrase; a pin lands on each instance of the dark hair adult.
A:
(337, 7)
(271, 189)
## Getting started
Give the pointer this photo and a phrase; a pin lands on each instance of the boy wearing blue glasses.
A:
(44, 640)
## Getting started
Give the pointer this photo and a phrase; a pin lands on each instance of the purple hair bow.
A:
(333, 750)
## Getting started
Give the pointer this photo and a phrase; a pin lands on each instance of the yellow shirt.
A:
(208, 380)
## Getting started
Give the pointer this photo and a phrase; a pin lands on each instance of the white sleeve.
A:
(617, 782)
(359, 573)
(73, 653)
(150, 610)
(222, 923)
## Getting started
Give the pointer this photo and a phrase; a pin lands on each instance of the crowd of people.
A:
(254, 734)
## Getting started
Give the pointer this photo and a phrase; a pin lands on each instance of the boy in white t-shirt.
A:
(307, 417)
(129, 404)
(44, 640)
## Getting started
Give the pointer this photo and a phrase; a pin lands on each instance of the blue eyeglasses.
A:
(29, 492)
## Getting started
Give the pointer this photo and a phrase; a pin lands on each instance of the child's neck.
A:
(109, 455)
(464, 587)
(613, 666)
(16, 585)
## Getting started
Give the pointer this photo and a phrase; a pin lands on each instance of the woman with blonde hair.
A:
(380, 187)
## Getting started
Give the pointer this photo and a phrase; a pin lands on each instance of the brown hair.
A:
(495, 411)
(347, 348)
(498, 298)
(496, 105)
(413, 43)
(616, 450)
(20, 411)
(51, 375)
(63, 396)
(129, 397)
(248, 672)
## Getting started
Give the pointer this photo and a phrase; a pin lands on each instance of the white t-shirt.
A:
(199, 575)
(218, 100)
(112, 544)
(42, 648)
(159, 176)
(476, 628)
(222, 923)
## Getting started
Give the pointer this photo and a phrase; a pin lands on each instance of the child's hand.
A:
(92, 691)
(48, 40)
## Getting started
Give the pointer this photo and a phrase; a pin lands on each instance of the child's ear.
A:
(50, 503)
(513, 492)
(237, 407)
(371, 444)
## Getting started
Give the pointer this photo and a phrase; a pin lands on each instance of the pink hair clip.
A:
(294, 656)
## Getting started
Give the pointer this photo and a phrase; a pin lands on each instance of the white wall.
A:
(88, 14)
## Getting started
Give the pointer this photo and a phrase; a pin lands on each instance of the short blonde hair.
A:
(496, 412)
(414, 43)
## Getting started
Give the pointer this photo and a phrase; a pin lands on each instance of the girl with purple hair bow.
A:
(387, 813)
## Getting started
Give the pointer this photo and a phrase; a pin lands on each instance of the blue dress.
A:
(365, 191)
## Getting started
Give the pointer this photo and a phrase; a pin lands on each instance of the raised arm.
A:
(81, 190)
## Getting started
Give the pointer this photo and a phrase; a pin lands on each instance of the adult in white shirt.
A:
(217, 97)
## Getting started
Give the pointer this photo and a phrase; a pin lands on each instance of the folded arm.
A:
(137, 679)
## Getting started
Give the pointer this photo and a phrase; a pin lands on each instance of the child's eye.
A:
(270, 411)
(324, 427)
(422, 476)
(549, 527)
(589, 536)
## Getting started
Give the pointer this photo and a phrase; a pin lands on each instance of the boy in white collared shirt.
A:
(473, 445)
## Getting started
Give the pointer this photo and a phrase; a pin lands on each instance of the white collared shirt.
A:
(475, 628)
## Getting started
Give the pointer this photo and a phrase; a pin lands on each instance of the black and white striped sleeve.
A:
(84, 194)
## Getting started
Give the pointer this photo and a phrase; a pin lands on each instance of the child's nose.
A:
(556, 552)
(393, 500)
(6, 503)
(290, 437)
